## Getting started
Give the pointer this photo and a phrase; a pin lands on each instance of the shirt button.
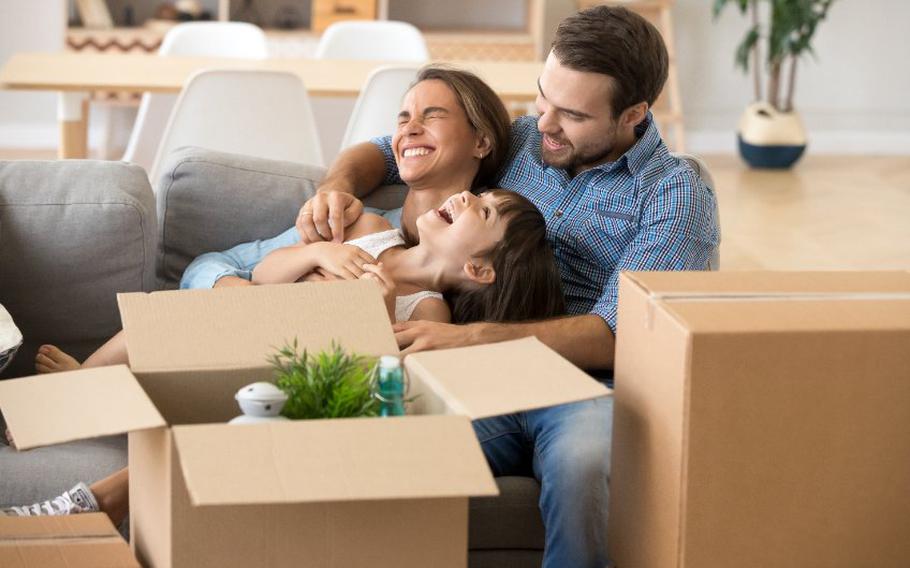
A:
(557, 213)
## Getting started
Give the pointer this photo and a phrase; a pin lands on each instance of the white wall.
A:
(854, 97)
(27, 118)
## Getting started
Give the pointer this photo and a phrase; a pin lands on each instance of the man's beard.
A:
(573, 160)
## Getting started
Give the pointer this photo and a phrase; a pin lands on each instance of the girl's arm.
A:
(291, 264)
(432, 309)
(286, 264)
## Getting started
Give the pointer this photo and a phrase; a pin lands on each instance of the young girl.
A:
(488, 253)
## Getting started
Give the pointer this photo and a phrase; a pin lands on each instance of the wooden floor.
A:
(828, 213)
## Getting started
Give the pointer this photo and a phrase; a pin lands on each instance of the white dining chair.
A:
(202, 39)
(377, 107)
(378, 40)
(266, 114)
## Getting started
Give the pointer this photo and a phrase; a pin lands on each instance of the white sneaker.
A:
(79, 499)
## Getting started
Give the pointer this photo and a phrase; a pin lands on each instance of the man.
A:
(614, 199)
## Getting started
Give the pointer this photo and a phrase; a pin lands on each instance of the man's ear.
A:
(482, 146)
(632, 116)
(482, 273)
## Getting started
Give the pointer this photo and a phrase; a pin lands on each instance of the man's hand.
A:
(325, 215)
(414, 336)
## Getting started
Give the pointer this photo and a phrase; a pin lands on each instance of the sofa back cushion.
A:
(72, 235)
(210, 201)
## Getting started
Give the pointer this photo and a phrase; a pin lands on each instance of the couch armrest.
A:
(73, 233)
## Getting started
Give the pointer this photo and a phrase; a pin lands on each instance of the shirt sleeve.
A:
(679, 231)
(384, 143)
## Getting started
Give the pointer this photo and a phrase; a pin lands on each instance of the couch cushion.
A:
(210, 201)
(73, 233)
(511, 520)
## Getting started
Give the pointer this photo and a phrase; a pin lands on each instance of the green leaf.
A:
(744, 50)
(719, 5)
(329, 384)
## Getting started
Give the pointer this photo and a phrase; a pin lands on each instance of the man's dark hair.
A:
(617, 42)
(527, 284)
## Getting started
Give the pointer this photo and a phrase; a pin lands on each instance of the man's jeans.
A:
(567, 448)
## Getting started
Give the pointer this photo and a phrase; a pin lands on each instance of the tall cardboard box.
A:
(762, 419)
(329, 493)
(76, 541)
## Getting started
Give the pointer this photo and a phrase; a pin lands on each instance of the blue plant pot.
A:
(771, 156)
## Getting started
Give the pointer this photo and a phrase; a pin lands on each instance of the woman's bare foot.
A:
(51, 360)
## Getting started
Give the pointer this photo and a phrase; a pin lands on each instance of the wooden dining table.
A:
(75, 75)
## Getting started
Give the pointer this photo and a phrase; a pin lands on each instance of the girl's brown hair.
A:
(527, 284)
(484, 110)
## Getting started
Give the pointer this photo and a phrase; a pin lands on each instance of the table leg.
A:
(72, 113)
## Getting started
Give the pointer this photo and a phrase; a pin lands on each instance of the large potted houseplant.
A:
(771, 133)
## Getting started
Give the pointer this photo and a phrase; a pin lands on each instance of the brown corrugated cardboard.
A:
(308, 493)
(77, 541)
(96, 415)
(312, 461)
(760, 420)
(499, 378)
(192, 350)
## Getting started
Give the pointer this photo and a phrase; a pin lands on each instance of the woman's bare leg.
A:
(50, 359)
(228, 281)
(113, 352)
(113, 495)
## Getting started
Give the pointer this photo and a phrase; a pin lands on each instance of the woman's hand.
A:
(345, 261)
(378, 274)
(325, 215)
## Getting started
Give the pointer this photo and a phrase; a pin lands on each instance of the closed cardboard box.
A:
(72, 541)
(329, 493)
(762, 419)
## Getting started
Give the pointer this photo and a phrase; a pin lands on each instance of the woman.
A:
(488, 253)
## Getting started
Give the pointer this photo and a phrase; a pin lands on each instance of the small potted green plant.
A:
(329, 384)
(771, 133)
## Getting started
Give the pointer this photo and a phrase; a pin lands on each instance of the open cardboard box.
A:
(357, 492)
(762, 419)
(77, 541)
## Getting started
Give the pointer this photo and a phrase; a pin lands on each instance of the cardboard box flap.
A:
(303, 461)
(721, 302)
(501, 378)
(62, 407)
(240, 327)
(708, 283)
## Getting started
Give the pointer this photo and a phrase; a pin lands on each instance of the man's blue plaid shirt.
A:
(646, 211)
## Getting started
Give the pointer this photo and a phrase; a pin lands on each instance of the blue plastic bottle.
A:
(390, 386)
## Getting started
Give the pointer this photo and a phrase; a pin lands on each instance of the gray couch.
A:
(74, 233)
